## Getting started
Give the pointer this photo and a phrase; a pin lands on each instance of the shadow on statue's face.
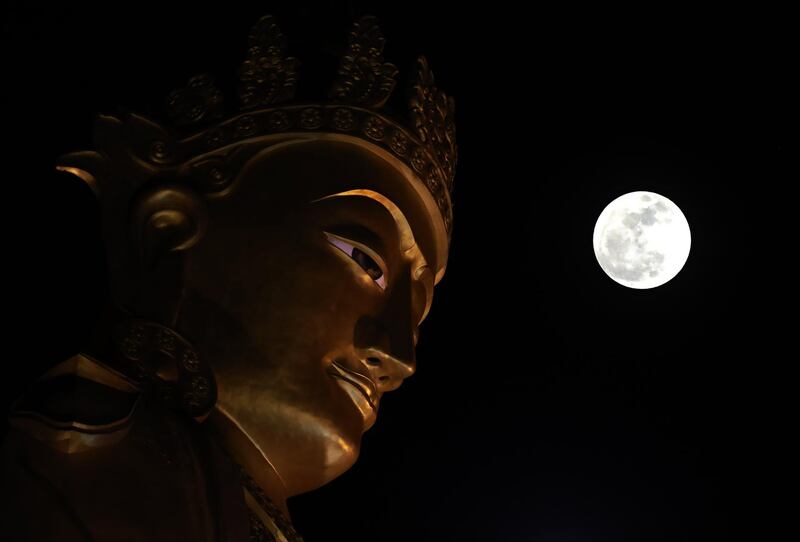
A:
(311, 313)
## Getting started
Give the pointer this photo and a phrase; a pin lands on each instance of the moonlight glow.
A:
(641, 240)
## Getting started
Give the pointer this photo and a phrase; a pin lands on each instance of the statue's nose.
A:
(388, 372)
(386, 342)
(387, 356)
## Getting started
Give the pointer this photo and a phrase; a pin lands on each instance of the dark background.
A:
(550, 403)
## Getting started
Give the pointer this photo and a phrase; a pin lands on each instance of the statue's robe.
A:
(90, 457)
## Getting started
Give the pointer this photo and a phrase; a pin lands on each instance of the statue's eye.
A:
(367, 262)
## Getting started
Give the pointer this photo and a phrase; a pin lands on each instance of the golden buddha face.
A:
(306, 295)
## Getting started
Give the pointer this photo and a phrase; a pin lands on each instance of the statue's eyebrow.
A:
(404, 233)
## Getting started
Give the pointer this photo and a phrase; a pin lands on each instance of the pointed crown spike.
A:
(266, 88)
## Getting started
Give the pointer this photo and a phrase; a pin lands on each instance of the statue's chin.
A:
(316, 462)
(338, 446)
(307, 449)
(343, 456)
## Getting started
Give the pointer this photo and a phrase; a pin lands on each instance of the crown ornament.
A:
(267, 81)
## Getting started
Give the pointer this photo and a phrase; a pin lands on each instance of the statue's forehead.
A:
(311, 170)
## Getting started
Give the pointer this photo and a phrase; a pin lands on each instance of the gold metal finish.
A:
(269, 275)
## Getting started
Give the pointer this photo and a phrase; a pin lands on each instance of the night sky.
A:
(550, 403)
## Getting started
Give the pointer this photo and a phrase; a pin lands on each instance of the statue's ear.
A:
(166, 218)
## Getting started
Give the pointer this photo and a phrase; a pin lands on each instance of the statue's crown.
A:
(267, 80)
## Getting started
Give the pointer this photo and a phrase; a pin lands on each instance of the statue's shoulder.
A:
(76, 408)
(99, 456)
(78, 405)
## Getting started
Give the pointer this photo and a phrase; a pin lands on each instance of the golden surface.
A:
(268, 275)
(302, 340)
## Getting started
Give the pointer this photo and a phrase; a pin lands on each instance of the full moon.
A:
(641, 240)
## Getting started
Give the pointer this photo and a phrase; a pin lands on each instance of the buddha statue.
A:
(269, 270)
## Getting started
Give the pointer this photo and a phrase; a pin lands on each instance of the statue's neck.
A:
(234, 440)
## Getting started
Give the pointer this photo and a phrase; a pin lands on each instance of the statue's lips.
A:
(360, 382)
